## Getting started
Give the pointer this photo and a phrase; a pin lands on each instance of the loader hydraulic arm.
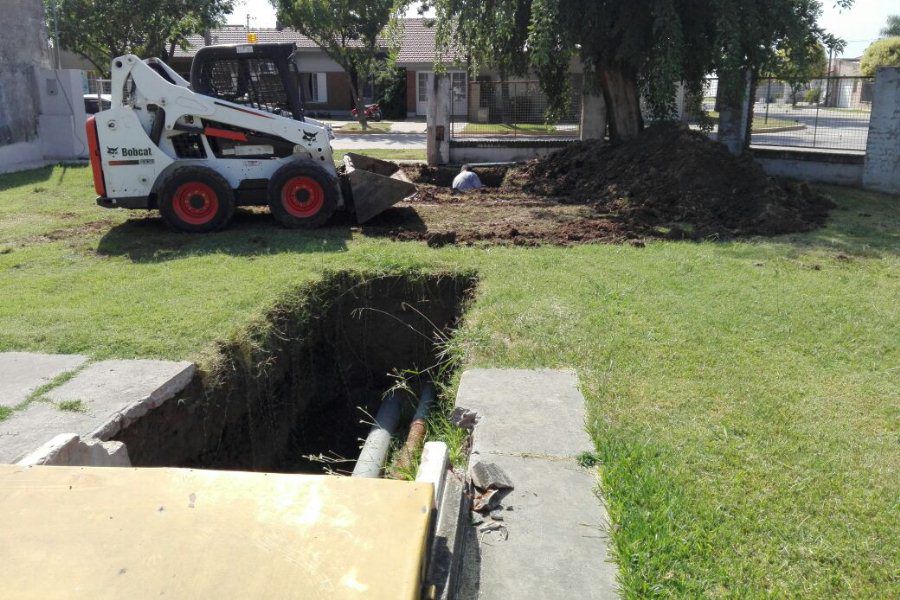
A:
(137, 85)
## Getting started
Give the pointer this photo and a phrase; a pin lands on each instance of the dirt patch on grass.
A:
(669, 183)
(494, 216)
(67, 233)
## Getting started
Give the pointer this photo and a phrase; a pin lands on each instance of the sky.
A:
(859, 25)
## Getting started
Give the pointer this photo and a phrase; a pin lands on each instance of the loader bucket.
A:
(375, 185)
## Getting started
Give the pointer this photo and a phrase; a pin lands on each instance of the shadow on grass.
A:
(863, 224)
(39, 175)
(25, 178)
(251, 233)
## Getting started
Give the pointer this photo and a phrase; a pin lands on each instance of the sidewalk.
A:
(551, 539)
(95, 402)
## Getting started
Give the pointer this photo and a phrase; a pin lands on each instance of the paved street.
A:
(825, 128)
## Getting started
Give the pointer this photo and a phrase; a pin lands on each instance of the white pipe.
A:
(374, 452)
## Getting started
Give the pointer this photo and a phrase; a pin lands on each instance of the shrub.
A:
(881, 53)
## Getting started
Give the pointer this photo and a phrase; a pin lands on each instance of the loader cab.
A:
(260, 76)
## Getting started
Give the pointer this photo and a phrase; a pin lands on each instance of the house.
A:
(851, 90)
(326, 90)
(324, 83)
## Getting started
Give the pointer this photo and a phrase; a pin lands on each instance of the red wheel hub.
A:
(195, 203)
(302, 197)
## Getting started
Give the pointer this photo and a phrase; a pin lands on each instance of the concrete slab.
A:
(525, 411)
(29, 429)
(119, 391)
(21, 373)
(112, 394)
(552, 540)
(92, 532)
(69, 450)
(554, 544)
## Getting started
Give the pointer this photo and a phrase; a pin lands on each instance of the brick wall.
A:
(410, 91)
(339, 97)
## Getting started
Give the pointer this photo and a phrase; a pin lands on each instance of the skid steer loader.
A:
(235, 135)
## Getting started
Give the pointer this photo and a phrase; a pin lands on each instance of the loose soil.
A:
(669, 182)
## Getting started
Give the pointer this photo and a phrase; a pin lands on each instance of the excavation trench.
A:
(305, 381)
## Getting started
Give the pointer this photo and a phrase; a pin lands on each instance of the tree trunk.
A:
(620, 91)
(505, 103)
(358, 102)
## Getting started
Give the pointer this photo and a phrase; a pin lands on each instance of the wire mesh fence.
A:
(510, 109)
(827, 113)
(97, 95)
(831, 112)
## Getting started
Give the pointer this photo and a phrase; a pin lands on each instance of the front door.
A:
(423, 83)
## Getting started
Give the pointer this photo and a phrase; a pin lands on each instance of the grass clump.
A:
(72, 406)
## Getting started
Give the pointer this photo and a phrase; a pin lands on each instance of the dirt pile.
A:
(675, 182)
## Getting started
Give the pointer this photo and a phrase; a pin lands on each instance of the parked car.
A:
(94, 103)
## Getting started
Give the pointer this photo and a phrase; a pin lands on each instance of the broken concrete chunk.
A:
(69, 449)
(485, 501)
(489, 476)
(463, 417)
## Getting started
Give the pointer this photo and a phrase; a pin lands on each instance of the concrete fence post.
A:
(882, 167)
(438, 120)
(593, 116)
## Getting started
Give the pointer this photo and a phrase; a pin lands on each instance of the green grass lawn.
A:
(374, 127)
(743, 396)
(384, 153)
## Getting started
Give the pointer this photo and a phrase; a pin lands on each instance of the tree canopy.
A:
(100, 30)
(892, 27)
(359, 35)
(791, 65)
(880, 53)
(631, 51)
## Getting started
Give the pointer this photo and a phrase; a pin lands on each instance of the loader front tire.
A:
(302, 195)
(196, 200)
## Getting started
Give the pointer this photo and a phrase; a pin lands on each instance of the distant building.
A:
(324, 83)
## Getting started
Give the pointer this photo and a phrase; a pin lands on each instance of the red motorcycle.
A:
(372, 112)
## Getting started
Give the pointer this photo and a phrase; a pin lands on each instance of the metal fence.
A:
(831, 112)
(96, 85)
(510, 109)
(828, 113)
(97, 95)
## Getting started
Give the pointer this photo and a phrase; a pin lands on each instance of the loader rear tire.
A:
(196, 200)
(302, 195)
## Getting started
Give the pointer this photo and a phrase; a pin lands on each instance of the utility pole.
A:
(55, 6)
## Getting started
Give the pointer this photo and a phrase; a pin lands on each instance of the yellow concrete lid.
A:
(68, 532)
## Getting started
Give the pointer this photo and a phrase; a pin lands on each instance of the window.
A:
(314, 87)
(423, 86)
